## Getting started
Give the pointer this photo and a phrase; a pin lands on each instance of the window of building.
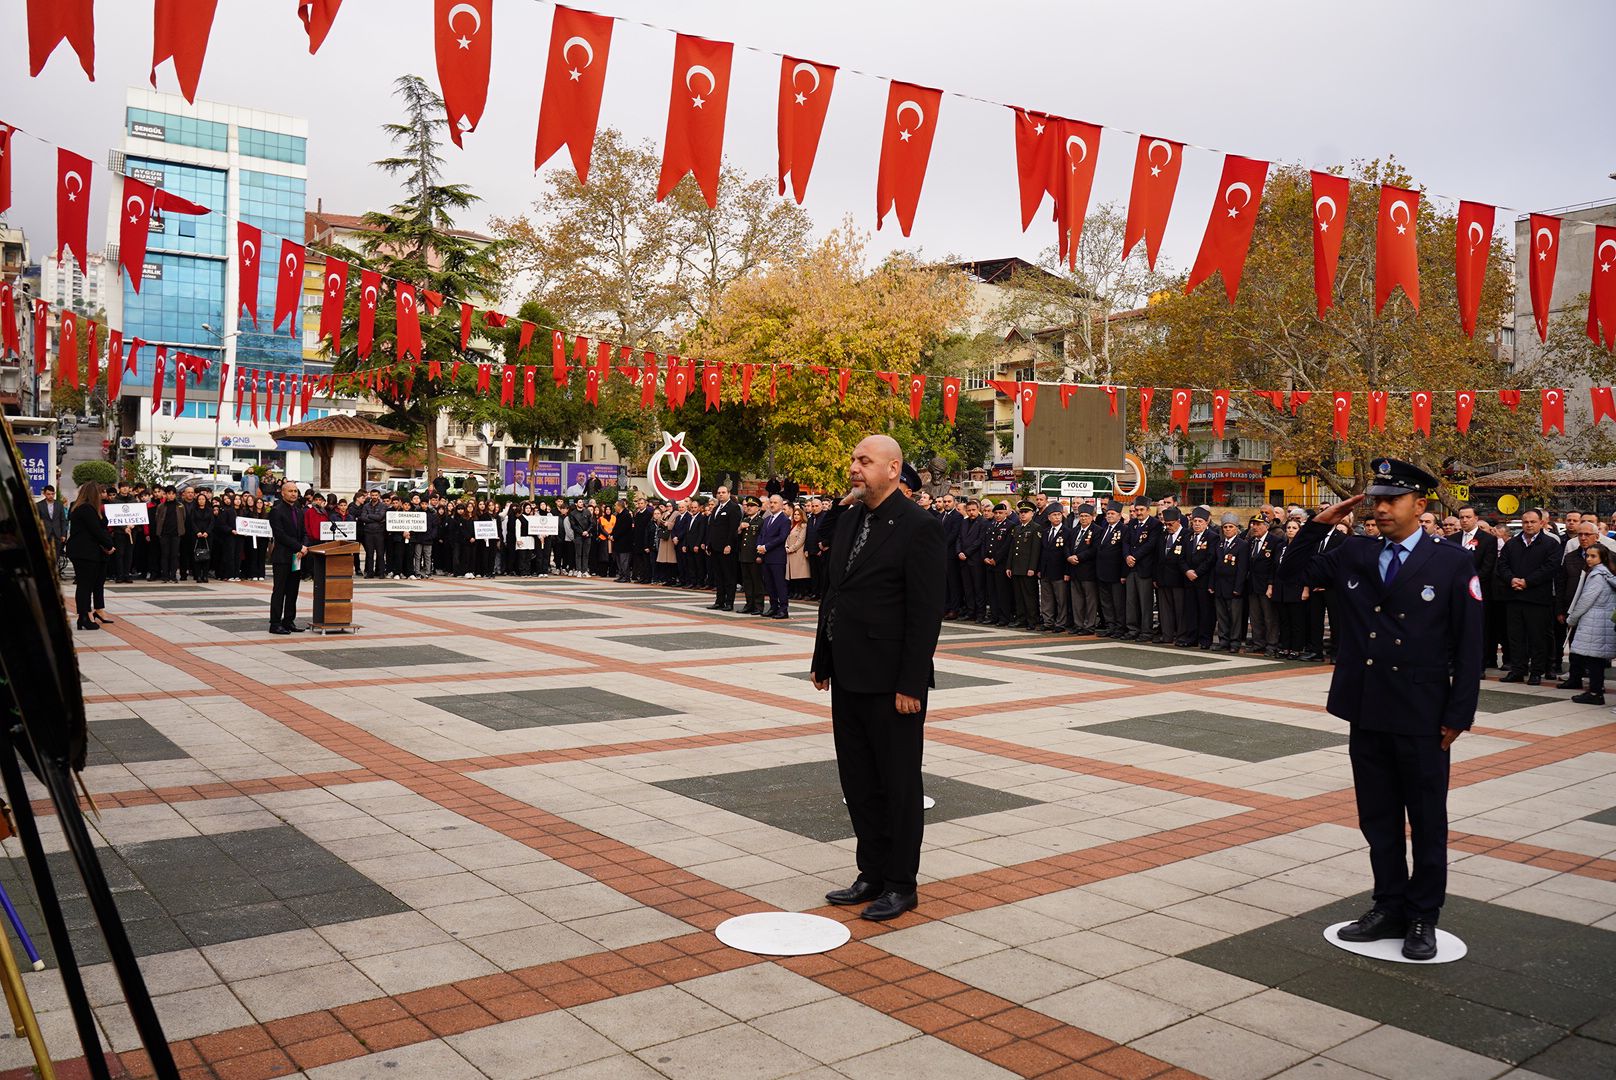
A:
(271, 146)
(179, 130)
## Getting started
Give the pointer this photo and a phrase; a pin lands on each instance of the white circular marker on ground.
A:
(1448, 947)
(927, 802)
(783, 933)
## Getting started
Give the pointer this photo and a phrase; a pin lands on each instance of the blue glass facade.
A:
(274, 204)
(179, 130)
(271, 146)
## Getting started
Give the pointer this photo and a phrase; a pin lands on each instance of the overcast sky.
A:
(1496, 101)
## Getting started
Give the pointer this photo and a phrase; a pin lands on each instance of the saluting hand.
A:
(1341, 511)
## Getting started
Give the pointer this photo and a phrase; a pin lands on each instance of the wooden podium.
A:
(333, 585)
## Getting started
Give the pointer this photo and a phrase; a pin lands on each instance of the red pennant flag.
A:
(1397, 260)
(712, 384)
(1602, 290)
(1464, 407)
(648, 383)
(1080, 150)
(1330, 196)
(333, 301)
(157, 378)
(1067, 390)
(1035, 160)
(1028, 392)
(1545, 255)
(524, 340)
(288, 287)
(804, 98)
(1276, 398)
(911, 121)
(1005, 387)
(41, 336)
(1150, 200)
(1510, 399)
(1420, 401)
(558, 358)
(495, 319)
(747, 372)
(1220, 411)
(483, 376)
(465, 326)
(370, 289)
(432, 301)
(180, 33)
(951, 393)
(574, 77)
(114, 365)
(94, 357)
(408, 324)
(891, 379)
(306, 394)
(253, 381)
(580, 353)
(1376, 409)
(774, 381)
(463, 41)
(527, 385)
(507, 385)
(678, 383)
(73, 204)
(1298, 399)
(1473, 235)
(133, 226)
(603, 361)
(317, 16)
(5, 166)
(10, 333)
(1343, 412)
(1554, 409)
(1229, 229)
(696, 108)
(179, 388)
(842, 375)
(1145, 394)
(249, 242)
(434, 370)
(1111, 398)
(241, 392)
(51, 22)
(1604, 405)
(67, 351)
(632, 374)
(917, 393)
(592, 386)
(1178, 416)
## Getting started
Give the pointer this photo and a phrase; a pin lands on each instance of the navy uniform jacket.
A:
(1109, 566)
(1082, 545)
(1171, 561)
(1199, 549)
(1000, 535)
(1230, 565)
(1409, 658)
(1260, 564)
(1052, 565)
(1142, 540)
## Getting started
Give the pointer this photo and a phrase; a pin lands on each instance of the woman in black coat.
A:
(226, 560)
(203, 521)
(89, 543)
(1290, 598)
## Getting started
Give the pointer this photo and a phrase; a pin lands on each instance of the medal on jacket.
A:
(1428, 593)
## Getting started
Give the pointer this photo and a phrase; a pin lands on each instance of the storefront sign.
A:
(148, 131)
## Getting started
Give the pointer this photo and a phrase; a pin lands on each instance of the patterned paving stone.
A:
(687, 642)
(533, 615)
(1603, 817)
(127, 740)
(1502, 701)
(240, 626)
(946, 680)
(197, 603)
(1238, 737)
(515, 709)
(391, 656)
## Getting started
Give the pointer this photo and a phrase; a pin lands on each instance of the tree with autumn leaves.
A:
(1271, 338)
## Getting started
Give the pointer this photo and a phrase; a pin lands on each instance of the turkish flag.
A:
(842, 376)
(1464, 407)
(483, 374)
(748, 371)
(157, 378)
(1155, 178)
(1397, 258)
(527, 385)
(180, 33)
(1276, 398)
(712, 384)
(1080, 150)
(580, 353)
(1330, 196)
(1473, 235)
(1028, 392)
(1602, 290)
(1035, 160)
(592, 386)
(252, 388)
(891, 379)
(507, 385)
(1545, 254)
(114, 365)
(306, 394)
(67, 350)
(241, 393)
(603, 360)
(1343, 412)
(495, 319)
(1067, 391)
(249, 243)
(1111, 398)
(1554, 410)
(288, 287)
(648, 383)
(574, 77)
(951, 393)
(774, 380)
(370, 291)
(917, 394)
(1603, 404)
(804, 98)
(10, 334)
(434, 370)
(92, 356)
(51, 22)
(1220, 411)
(1420, 401)
(1178, 415)
(1145, 394)
(1229, 229)
(524, 340)
(432, 300)
(72, 204)
(133, 225)
(41, 336)
(5, 166)
(911, 121)
(317, 16)
(1377, 410)
(335, 298)
(463, 37)
(696, 107)
(558, 358)
(1298, 399)
(407, 325)
(179, 386)
(465, 326)
(678, 382)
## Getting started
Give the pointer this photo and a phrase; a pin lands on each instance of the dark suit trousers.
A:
(752, 582)
(774, 574)
(971, 599)
(1002, 596)
(170, 547)
(1318, 605)
(1397, 777)
(1085, 604)
(724, 574)
(283, 597)
(1176, 622)
(375, 560)
(1529, 636)
(953, 588)
(1204, 614)
(1026, 601)
(878, 757)
(89, 575)
(1231, 620)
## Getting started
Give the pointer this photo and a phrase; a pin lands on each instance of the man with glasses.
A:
(1527, 565)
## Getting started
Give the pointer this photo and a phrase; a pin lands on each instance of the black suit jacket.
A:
(721, 526)
(1485, 554)
(286, 530)
(89, 538)
(1538, 563)
(888, 607)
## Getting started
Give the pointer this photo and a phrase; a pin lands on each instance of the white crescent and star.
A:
(1604, 267)
(248, 250)
(1228, 193)
(334, 282)
(712, 83)
(406, 300)
(1478, 235)
(1318, 212)
(477, 20)
(72, 183)
(129, 205)
(1543, 249)
(291, 264)
(802, 66)
(1341, 404)
(1150, 155)
(370, 296)
(1082, 145)
(1391, 214)
(589, 55)
(906, 105)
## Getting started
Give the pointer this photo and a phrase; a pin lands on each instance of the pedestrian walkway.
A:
(490, 836)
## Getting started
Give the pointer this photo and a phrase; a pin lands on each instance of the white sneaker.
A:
(468, 575)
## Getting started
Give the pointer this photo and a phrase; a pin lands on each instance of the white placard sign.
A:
(406, 521)
(485, 530)
(121, 514)
(543, 525)
(1082, 489)
(524, 543)
(251, 526)
(339, 530)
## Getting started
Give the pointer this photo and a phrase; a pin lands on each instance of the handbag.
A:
(202, 550)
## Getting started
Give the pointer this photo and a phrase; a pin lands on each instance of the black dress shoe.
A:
(715, 607)
(860, 892)
(1513, 676)
(279, 630)
(1588, 699)
(1420, 942)
(86, 624)
(1568, 684)
(889, 905)
(779, 615)
(1534, 680)
(293, 628)
(1373, 925)
(1312, 656)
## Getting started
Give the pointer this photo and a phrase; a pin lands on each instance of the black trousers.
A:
(1529, 637)
(1177, 616)
(123, 557)
(1001, 595)
(878, 758)
(187, 552)
(375, 557)
(953, 587)
(774, 574)
(1398, 778)
(1112, 601)
(972, 604)
(89, 577)
(1231, 620)
(170, 564)
(725, 570)
(1591, 668)
(752, 582)
(1292, 625)
(283, 596)
(1206, 614)
(1026, 612)
(1319, 603)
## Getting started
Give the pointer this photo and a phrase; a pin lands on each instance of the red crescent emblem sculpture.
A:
(673, 446)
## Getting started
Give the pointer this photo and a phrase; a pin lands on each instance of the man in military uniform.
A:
(1052, 570)
(1141, 543)
(1026, 551)
(1408, 669)
(1200, 551)
(1110, 568)
(746, 557)
(1260, 575)
(1171, 586)
(1081, 547)
(1229, 571)
(996, 561)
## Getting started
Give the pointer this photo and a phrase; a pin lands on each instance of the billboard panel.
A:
(1083, 435)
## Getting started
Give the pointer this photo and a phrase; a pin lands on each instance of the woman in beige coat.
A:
(797, 573)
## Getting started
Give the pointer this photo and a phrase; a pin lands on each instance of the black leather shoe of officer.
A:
(1373, 925)
(860, 892)
(1513, 676)
(715, 607)
(1534, 680)
(1568, 684)
(279, 630)
(1420, 942)
(293, 628)
(889, 905)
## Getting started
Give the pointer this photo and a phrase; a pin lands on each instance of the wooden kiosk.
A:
(333, 586)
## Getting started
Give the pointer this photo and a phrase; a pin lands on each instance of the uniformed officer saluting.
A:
(1408, 669)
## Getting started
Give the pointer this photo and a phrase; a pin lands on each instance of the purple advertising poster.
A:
(546, 476)
(36, 463)
(579, 472)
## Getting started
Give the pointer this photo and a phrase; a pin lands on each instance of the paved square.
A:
(544, 708)
(532, 615)
(125, 740)
(392, 656)
(945, 680)
(1237, 737)
(689, 642)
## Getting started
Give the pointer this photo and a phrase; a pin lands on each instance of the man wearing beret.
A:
(1026, 553)
(1081, 547)
(1141, 543)
(995, 563)
(1200, 616)
(1052, 571)
(1229, 569)
(1408, 671)
(1110, 568)
(1172, 587)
